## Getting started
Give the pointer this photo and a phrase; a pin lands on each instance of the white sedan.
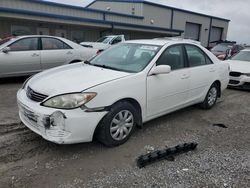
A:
(126, 85)
(240, 70)
(27, 55)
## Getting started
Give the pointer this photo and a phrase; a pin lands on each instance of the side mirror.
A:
(160, 69)
(6, 50)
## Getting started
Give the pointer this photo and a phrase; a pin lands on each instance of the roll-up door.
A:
(215, 35)
(192, 31)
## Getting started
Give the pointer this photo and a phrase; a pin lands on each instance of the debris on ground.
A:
(167, 153)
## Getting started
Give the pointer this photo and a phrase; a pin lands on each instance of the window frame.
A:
(202, 52)
(38, 46)
(41, 45)
(111, 42)
(183, 55)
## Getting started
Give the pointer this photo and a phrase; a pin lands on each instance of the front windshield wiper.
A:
(87, 62)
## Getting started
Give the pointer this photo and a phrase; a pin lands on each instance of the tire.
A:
(211, 97)
(117, 126)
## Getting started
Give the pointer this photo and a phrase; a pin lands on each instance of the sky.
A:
(238, 11)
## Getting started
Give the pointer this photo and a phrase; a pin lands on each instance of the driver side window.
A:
(27, 44)
(173, 57)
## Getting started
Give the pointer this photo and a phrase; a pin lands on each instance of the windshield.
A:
(126, 57)
(104, 40)
(221, 48)
(242, 56)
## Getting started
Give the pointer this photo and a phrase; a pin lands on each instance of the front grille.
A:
(235, 74)
(234, 82)
(35, 96)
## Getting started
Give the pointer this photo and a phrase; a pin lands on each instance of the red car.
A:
(224, 50)
(6, 39)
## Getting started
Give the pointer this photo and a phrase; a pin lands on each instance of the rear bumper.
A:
(66, 127)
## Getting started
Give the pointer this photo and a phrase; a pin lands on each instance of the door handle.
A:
(185, 76)
(212, 70)
(35, 55)
(69, 53)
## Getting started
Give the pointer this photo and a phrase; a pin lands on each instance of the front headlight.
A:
(246, 74)
(69, 101)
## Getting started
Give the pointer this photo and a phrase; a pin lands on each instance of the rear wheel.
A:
(118, 125)
(211, 97)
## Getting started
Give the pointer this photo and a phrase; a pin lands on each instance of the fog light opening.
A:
(57, 119)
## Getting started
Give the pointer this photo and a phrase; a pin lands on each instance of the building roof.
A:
(159, 5)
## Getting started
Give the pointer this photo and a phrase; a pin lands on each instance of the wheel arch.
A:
(218, 83)
(75, 61)
(134, 103)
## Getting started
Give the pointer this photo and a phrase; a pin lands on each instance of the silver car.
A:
(27, 55)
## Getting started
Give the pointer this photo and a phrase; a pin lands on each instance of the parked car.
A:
(225, 50)
(104, 42)
(240, 70)
(27, 55)
(126, 85)
(6, 39)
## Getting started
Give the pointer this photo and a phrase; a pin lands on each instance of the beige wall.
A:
(180, 19)
(125, 8)
(221, 24)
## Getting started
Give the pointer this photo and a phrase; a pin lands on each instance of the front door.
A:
(168, 92)
(23, 58)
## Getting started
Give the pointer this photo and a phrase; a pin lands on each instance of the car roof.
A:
(25, 36)
(163, 41)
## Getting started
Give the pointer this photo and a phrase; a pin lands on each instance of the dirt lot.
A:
(222, 158)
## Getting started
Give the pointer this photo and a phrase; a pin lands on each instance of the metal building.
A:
(134, 18)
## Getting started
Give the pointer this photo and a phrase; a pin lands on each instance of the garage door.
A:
(192, 31)
(216, 33)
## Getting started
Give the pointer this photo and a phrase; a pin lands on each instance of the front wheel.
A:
(211, 97)
(117, 126)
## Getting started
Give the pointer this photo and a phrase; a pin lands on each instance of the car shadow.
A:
(13, 80)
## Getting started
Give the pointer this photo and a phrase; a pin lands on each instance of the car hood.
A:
(239, 66)
(96, 45)
(72, 78)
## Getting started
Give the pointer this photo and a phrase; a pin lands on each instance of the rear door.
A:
(23, 58)
(202, 72)
(167, 92)
(55, 53)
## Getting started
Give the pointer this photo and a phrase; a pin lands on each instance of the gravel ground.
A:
(222, 158)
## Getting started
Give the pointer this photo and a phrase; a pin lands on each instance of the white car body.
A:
(155, 94)
(19, 62)
(101, 45)
(240, 72)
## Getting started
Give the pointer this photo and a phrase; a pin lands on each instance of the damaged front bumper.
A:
(58, 126)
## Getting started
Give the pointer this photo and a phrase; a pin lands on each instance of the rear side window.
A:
(173, 57)
(54, 44)
(196, 57)
(27, 44)
(116, 40)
